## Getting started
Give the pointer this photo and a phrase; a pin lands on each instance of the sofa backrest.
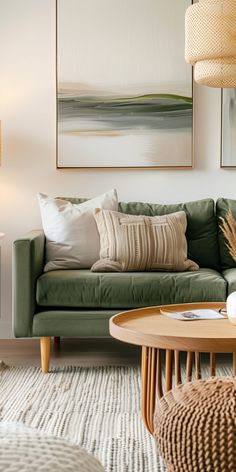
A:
(223, 205)
(202, 231)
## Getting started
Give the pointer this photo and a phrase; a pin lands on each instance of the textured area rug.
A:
(98, 408)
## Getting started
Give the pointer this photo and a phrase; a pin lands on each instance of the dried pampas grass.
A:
(228, 228)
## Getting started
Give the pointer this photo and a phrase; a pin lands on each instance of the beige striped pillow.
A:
(139, 243)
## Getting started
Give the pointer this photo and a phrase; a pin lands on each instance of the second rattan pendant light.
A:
(210, 42)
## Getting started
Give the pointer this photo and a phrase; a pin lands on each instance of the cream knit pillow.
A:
(138, 243)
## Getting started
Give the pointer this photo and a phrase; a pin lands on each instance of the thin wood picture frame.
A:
(136, 126)
(228, 129)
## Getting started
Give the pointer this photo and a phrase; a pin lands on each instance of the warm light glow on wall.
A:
(210, 42)
(0, 142)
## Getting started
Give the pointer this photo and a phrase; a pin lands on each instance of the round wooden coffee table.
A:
(155, 332)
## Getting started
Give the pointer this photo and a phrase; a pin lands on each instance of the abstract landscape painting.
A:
(228, 131)
(124, 92)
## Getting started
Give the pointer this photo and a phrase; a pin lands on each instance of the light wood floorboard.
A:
(80, 352)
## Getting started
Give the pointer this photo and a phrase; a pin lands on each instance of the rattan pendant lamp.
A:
(210, 42)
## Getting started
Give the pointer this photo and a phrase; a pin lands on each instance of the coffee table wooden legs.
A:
(149, 371)
(152, 378)
(234, 363)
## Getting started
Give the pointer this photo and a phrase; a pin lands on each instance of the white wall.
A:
(27, 111)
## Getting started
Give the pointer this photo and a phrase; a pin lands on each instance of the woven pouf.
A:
(195, 426)
(25, 449)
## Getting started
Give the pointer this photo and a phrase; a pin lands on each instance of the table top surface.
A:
(148, 327)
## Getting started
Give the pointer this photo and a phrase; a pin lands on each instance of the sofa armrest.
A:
(28, 262)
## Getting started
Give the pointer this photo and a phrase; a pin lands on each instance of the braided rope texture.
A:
(97, 408)
(195, 426)
(26, 450)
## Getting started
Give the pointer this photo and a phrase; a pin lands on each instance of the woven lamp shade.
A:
(195, 426)
(210, 42)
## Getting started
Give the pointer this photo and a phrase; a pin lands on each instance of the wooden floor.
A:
(80, 352)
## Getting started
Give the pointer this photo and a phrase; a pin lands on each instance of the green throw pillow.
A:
(223, 205)
(202, 231)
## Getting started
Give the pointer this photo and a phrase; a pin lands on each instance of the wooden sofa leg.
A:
(57, 340)
(45, 345)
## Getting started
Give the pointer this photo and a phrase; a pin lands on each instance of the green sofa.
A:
(73, 303)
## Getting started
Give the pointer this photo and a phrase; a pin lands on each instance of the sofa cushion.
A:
(202, 230)
(86, 289)
(131, 243)
(230, 277)
(223, 205)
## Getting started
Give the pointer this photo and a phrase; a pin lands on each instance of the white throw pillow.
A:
(72, 238)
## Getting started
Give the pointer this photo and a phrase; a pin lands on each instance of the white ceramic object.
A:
(231, 307)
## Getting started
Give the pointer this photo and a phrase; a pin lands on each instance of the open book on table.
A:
(193, 315)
